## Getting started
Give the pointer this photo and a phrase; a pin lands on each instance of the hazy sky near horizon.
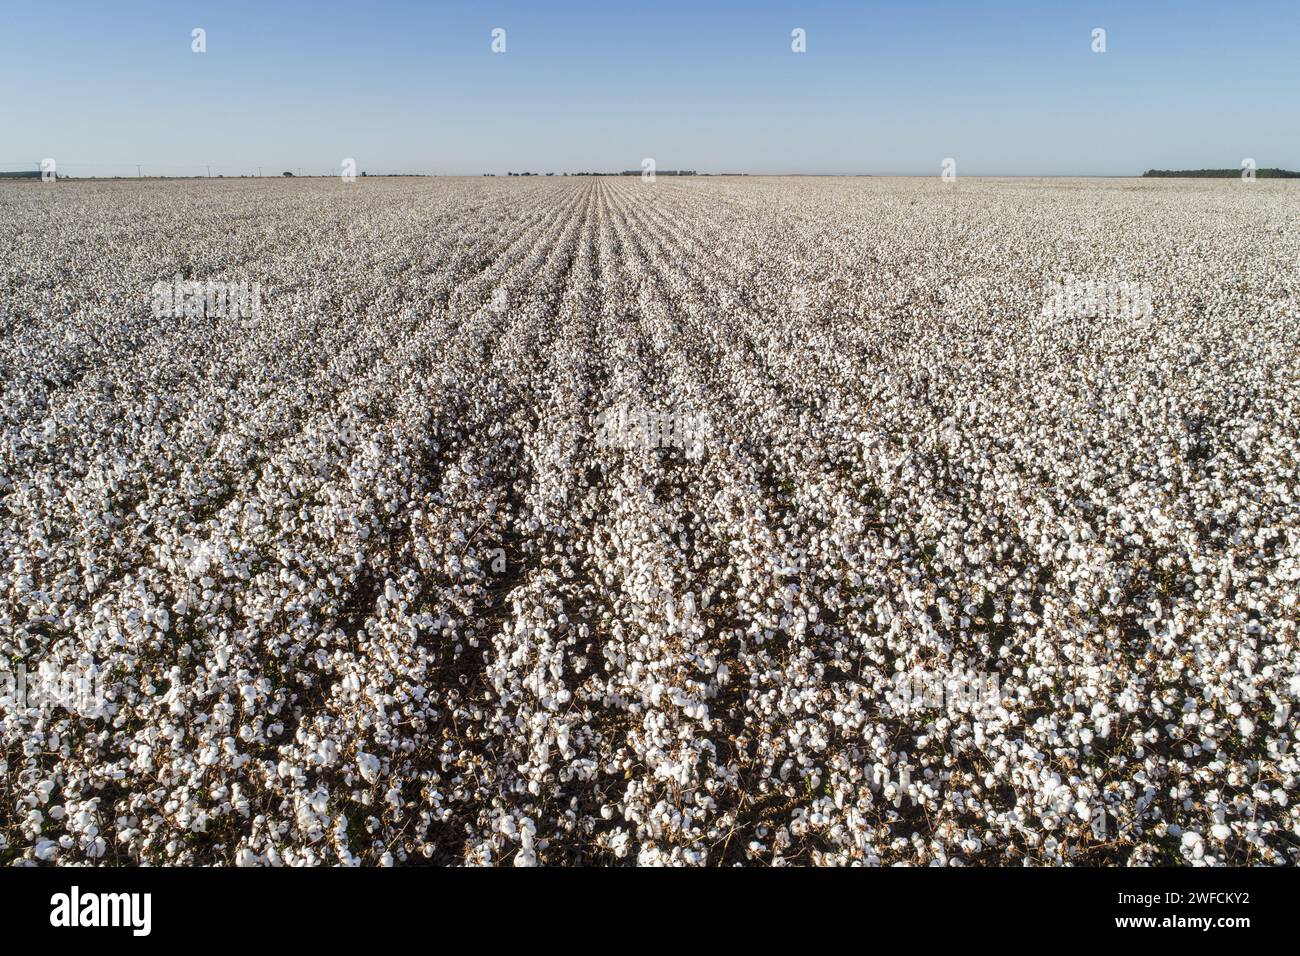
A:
(1005, 88)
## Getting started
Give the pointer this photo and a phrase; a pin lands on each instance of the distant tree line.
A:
(628, 172)
(1220, 173)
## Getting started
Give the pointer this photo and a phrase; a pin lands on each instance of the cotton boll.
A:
(369, 767)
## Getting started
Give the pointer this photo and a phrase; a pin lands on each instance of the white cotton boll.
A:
(368, 765)
(327, 752)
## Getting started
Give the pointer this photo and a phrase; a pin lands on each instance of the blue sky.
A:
(885, 87)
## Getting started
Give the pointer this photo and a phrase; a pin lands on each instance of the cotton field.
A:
(598, 520)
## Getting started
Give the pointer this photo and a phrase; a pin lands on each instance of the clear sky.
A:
(1008, 87)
